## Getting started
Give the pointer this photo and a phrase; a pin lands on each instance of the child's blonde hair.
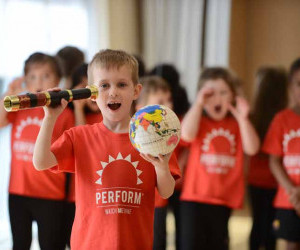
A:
(114, 59)
(152, 84)
(214, 73)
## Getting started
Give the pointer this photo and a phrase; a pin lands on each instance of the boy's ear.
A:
(137, 91)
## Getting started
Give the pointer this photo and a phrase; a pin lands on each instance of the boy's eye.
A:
(104, 85)
(122, 84)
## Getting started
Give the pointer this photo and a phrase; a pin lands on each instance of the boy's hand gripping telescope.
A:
(48, 98)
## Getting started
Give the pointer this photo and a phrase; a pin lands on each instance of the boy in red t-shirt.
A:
(214, 181)
(34, 196)
(282, 142)
(115, 185)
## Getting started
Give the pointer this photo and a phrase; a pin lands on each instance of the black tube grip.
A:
(56, 97)
(81, 94)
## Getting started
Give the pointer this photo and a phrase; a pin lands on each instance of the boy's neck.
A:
(118, 127)
(296, 109)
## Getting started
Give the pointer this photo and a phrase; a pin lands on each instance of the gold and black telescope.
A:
(48, 98)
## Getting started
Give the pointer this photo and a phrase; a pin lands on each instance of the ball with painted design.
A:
(154, 129)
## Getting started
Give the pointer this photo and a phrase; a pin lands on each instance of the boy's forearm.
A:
(280, 174)
(43, 158)
(190, 123)
(165, 182)
(250, 139)
(79, 117)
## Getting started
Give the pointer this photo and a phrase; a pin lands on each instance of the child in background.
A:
(85, 112)
(282, 142)
(157, 91)
(214, 182)
(180, 106)
(270, 98)
(115, 185)
(34, 196)
(69, 58)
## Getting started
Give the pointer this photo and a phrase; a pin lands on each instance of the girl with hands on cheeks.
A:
(219, 133)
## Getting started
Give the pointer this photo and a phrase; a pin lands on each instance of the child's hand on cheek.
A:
(203, 95)
(161, 162)
(242, 109)
(55, 112)
(16, 86)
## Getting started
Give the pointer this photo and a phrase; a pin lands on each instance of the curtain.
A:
(172, 32)
(217, 31)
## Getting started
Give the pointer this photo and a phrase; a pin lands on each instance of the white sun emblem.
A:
(119, 157)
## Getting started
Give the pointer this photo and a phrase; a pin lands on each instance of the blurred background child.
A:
(34, 196)
(180, 106)
(270, 98)
(282, 142)
(156, 91)
(214, 182)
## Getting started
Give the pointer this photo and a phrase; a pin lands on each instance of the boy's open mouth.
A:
(114, 105)
(218, 108)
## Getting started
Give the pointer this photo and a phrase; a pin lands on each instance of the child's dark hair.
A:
(41, 58)
(214, 73)
(270, 98)
(79, 73)
(70, 58)
(167, 72)
(142, 69)
(294, 68)
(179, 96)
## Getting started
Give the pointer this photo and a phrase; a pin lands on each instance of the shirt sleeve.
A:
(273, 140)
(63, 149)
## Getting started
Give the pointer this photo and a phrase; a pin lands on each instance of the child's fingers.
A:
(145, 156)
(64, 103)
(54, 89)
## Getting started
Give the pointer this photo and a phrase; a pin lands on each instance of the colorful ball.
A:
(154, 129)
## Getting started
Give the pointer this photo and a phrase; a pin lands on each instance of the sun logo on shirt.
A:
(219, 133)
(288, 137)
(112, 161)
(24, 123)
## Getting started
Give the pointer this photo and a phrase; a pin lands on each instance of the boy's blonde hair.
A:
(114, 59)
(152, 84)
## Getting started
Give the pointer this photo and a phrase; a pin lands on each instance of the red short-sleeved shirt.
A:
(91, 118)
(114, 188)
(283, 139)
(24, 178)
(214, 173)
(259, 172)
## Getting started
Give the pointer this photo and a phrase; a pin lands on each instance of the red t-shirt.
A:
(91, 118)
(214, 173)
(259, 172)
(114, 188)
(283, 139)
(25, 180)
